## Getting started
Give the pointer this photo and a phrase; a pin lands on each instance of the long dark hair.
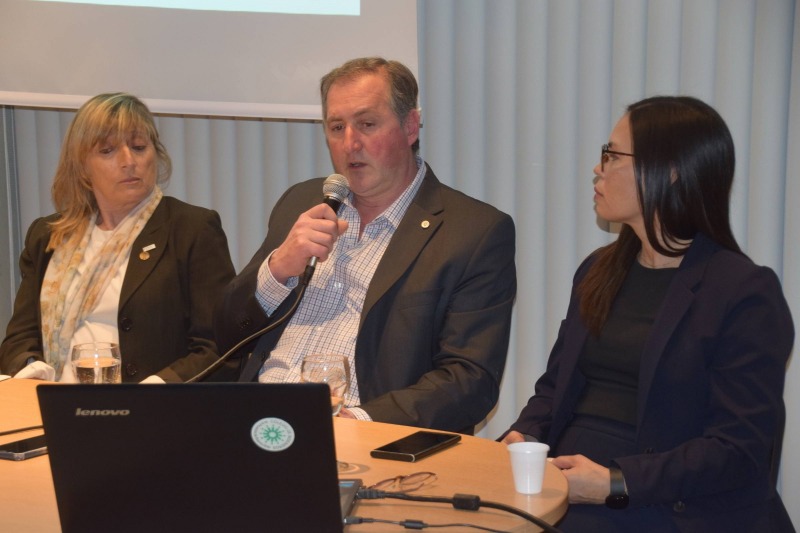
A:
(684, 163)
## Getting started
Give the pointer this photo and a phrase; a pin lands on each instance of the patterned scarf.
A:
(67, 298)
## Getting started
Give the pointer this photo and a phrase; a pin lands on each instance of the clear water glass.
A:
(97, 362)
(330, 369)
(333, 370)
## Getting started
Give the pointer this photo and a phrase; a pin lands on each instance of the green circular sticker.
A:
(272, 434)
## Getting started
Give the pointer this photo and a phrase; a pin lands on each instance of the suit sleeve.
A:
(208, 269)
(238, 313)
(746, 364)
(536, 418)
(23, 335)
(468, 349)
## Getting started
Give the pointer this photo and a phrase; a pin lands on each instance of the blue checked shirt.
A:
(327, 319)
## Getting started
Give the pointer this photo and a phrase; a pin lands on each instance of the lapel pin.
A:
(425, 224)
(144, 255)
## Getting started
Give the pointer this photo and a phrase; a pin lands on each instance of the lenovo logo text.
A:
(102, 412)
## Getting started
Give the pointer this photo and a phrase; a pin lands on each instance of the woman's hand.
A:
(513, 436)
(588, 481)
(37, 370)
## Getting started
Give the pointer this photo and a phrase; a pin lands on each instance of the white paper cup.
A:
(527, 464)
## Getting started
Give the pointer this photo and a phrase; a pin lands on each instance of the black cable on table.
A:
(467, 502)
(413, 524)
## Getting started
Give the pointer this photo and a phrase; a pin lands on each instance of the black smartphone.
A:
(20, 450)
(414, 447)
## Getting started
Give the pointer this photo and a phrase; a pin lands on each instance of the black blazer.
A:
(710, 398)
(434, 330)
(165, 304)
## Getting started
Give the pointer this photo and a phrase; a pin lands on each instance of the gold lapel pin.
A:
(144, 255)
(425, 224)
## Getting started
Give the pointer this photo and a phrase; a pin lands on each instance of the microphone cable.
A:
(467, 502)
(335, 189)
(414, 524)
(263, 331)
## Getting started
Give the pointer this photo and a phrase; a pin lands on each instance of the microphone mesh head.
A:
(336, 186)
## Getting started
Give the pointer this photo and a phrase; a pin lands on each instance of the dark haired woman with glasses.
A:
(662, 401)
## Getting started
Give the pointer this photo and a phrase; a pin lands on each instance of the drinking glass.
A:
(331, 369)
(97, 362)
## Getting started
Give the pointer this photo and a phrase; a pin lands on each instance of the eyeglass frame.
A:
(604, 151)
(430, 477)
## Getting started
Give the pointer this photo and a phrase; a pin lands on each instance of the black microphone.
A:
(335, 189)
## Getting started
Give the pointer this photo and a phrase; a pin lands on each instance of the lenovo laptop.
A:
(194, 457)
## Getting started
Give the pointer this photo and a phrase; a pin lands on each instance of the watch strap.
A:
(617, 481)
(618, 497)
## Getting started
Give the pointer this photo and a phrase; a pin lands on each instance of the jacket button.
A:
(679, 507)
(246, 323)
(131, 369)
(126, 324)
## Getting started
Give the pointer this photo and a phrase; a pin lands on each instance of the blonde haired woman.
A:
(119, 261)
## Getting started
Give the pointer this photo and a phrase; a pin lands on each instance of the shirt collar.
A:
(395, 212)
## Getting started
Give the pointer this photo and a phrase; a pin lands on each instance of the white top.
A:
(101, 323)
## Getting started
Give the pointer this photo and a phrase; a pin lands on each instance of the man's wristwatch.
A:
(618, 498)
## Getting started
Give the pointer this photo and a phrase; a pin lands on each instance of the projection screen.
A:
(199, 61)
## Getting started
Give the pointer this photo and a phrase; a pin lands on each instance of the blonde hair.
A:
(109, 114)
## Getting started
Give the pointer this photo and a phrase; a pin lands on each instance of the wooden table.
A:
(27, 498)
(474, 466)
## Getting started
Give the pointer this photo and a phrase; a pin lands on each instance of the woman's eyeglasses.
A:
(604, 156)
(405, 483)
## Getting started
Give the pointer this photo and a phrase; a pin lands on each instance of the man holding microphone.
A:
(414, 283)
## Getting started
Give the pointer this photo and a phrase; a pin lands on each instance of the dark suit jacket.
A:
(710, 398)
(165, 303)
(434, 330)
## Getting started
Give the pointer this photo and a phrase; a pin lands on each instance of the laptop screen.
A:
(192, 457)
